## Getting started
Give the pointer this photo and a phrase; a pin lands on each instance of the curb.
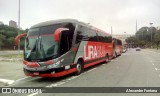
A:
(12, 59)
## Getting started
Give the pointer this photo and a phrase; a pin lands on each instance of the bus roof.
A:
(46, 23)
(57, 21)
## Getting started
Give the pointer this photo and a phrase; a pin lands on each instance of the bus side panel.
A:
(119, 49)
(93, 51)
(67, 58)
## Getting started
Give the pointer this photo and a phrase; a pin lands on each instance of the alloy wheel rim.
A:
(78, 67)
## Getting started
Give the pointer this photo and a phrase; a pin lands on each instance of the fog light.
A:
(67, 67)
(53, 72)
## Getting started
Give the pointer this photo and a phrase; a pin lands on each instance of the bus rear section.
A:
(117, 47)
(95, 46)
(60, 47)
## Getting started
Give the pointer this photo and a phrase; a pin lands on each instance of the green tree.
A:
(11, 41)
(131, 39)
(143, 36)
(157, 38)
(7, 36)
(2, 39)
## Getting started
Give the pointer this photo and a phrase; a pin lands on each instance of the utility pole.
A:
(151, 33)
(111, 31)
(136, 28)
(136, 25)
(19, 26)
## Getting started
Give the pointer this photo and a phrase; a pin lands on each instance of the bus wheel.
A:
(114, 55)
(107, 58)
(120, 53)
(79, 68)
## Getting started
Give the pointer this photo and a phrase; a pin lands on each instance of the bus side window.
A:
(85, 34)
(64, 43)
(81, 34)
(66, 38)
(119, 42)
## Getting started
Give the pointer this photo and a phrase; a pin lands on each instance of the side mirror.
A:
(58, 32)
(18, 37)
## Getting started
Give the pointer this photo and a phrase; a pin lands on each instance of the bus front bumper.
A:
(58, 72)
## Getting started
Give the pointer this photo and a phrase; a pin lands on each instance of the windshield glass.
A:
(40, 44)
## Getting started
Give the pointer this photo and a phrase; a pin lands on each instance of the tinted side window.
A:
(108, 39)
(100, 37)
(85, 34)
(119, 42)
(81, 34)
(67, 38)
(92, 35)
(104, 37)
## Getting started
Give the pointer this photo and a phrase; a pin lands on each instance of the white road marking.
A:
(91, 69)
(51, 85)
(62, 82)
(56, 84)
(154, 52)
(72, 77)
(7, 81)
(21, 79)
(157, 69)
(152, 62)
(32, 94)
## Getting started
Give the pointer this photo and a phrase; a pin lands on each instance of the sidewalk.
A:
(155, 50)
(11, 59)
(11, 56)
(10, 52)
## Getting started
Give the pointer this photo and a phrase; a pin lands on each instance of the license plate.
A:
(36, 73)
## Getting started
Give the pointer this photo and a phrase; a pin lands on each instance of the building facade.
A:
(123, 37)
(13, 24)
(1, 23)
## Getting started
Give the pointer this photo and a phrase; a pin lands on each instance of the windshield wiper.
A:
(42, 48)
(33, 49)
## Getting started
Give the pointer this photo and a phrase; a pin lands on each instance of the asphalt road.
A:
(132, 69)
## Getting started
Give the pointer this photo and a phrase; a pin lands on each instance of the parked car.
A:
(138, 49)
(124, 50)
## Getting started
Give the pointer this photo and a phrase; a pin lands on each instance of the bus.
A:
(59, 47)
(117, 47)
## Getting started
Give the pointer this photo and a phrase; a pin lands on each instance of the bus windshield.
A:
(40, 44)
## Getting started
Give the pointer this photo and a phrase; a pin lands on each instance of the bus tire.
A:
(114, 55)
(120, 53)
(107, 58)
(79, 68)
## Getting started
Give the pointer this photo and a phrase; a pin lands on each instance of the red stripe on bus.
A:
(93, 59)
(94, 63)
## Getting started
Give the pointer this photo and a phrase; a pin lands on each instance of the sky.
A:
(120, 14)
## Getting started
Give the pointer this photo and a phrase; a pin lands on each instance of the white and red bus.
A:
(60, 47)
(117, 47)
